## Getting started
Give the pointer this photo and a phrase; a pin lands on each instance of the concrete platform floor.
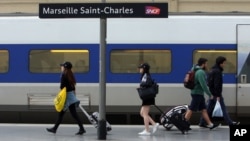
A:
(66, 132)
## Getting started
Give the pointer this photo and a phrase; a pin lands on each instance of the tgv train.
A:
(31, 50)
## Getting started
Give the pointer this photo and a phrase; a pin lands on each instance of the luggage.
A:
(167, 120)
(165, 116)
(178, 120)
(93, 118)
(164, 120)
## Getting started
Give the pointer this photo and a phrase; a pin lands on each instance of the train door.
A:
(243, 70)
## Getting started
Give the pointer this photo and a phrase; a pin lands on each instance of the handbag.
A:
(60, 99)
(148, 92)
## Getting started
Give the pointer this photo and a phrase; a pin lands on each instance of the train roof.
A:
(175, 29)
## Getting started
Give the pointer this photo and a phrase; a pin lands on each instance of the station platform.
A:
(66, 132)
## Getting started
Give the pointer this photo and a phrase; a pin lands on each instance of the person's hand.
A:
(218, 98)
(211, 97)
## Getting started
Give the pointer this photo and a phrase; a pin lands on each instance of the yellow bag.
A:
(60, 99)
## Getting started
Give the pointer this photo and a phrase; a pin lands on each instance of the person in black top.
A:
(68, 81)
(147, 81)
(215, 84)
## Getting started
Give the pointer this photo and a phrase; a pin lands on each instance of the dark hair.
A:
(146, 68)
(202, 61)
(220, 60)
(69, 74)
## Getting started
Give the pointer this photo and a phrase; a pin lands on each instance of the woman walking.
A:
(68, 81)
(147, 81)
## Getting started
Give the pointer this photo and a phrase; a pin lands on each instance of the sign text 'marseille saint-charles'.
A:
(105, 10)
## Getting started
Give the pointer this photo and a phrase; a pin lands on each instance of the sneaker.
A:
(203, 125)
(51, 130)
(80, 132)
(235, 123)
(156, 126)
(144, 133)
(213, 126)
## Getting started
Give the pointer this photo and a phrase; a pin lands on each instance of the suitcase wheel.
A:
(108, 128)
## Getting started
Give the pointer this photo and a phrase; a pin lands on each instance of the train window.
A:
(4, 61)
(47, 61)
(211, 55)
(127, 61)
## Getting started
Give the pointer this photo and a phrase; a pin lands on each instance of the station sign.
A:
(103, 10)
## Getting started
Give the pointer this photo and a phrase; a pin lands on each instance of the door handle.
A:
(243, 78)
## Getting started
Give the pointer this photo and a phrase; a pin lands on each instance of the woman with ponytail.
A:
(68, 81)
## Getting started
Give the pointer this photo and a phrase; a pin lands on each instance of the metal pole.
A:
(102, 131)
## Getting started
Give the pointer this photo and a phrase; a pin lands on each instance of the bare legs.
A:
(204, 115)
(188, 114)
(145, 115)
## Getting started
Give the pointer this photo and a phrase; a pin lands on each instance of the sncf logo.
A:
(151, 10)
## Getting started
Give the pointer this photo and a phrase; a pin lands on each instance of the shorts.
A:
(197, 103)
(150, 101)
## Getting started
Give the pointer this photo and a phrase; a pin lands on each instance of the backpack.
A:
(189, 80)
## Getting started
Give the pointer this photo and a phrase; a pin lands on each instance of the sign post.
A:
(103, 11)
(102, 131)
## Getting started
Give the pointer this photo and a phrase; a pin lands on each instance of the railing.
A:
(46, 100)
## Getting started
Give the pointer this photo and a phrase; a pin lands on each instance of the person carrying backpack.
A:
(215, 84)
(197, 93)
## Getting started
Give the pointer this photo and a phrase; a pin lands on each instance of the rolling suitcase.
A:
(93, 118)
(165, 117)
(178, 120)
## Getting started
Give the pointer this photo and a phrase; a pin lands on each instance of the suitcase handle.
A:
(159, 109)
(84, 111)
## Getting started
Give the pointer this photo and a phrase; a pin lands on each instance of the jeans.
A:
(224, 110)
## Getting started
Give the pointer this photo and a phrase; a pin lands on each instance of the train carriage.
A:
(31, 50)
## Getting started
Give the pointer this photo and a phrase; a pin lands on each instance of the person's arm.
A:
(217, 84)
(201, 78)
